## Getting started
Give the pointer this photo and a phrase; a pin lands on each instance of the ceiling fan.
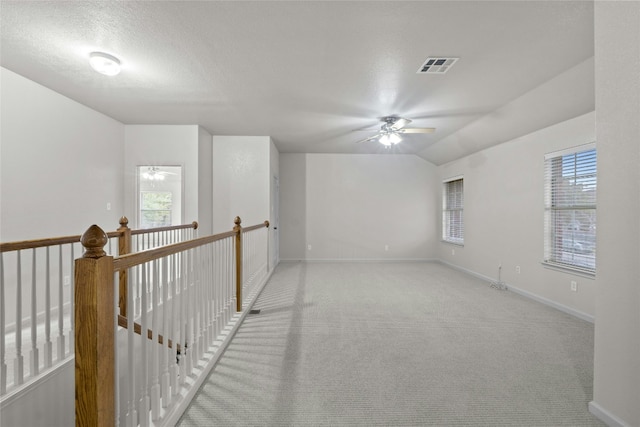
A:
(391, 129)
(154, 173)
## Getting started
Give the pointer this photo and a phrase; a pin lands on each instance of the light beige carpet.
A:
(398, 344)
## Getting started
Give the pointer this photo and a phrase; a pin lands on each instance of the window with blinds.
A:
(452, 211)
(570, 209)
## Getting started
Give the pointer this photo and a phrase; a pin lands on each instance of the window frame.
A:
(453, 211)
(559, 200)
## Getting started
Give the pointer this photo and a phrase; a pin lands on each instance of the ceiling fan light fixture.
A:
(104, 63)
(153, 175)
(389, 139)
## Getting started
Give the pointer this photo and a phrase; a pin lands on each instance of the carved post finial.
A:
(237, 221)
(93, 241)
(124, 221)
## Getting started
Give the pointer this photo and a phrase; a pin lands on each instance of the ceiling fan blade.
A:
(371, 138)
(400, 123)
(417, 130)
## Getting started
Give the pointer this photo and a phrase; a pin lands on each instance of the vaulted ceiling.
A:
(313, 75)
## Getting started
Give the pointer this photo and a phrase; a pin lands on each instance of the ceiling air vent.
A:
(437, 65)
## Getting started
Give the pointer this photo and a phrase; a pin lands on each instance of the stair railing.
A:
(143, 368)
(36, 297)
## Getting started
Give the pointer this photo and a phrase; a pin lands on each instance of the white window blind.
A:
(570, 209)
(452, 211)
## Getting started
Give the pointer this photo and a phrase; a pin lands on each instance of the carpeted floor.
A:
(398, 344)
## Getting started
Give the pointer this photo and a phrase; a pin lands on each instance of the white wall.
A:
(162, 145)
(293, 206)
(503, 214)
(617, 330)
(61, 163)
(205, 183)
(352, 206)
(241, 180)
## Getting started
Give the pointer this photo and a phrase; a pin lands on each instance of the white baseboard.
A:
(363, 260)
(605, 416)
(571, 311)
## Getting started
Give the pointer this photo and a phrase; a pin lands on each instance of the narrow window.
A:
(452, 211)
(570, 209)
(155, 208)
(159, 196)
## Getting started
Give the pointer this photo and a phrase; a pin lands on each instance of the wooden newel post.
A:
(238, 230)
(94, 332)
(124, 247)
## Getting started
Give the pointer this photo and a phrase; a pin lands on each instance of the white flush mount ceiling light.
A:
(104, 63)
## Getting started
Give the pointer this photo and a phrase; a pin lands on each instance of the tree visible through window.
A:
(452, 211)
(570, 209)
(155, 208)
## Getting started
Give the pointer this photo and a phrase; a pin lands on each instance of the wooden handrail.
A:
(138, 258)
(255, 227)
(53, 241)
(193, 225)
(38, 243)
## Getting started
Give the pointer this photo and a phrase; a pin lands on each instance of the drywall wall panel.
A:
(61, 163)
(293, 206)
(162, 145)
(205, 182)
(241, 180)
(617, 329)
(363, 207)
(504, 214)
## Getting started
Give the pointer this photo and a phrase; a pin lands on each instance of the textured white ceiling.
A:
(310, 74)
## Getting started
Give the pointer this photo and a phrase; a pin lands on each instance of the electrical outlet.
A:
(67, 280)
(386, 248)
(453, 251)
(309, 247)
(108, 206)
(518, 269)
(574, 286)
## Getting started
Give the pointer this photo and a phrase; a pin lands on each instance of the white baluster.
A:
(182, 320)
(209, 293)
(198, 307)
(231, 286)
(18, 364)
(132, 413)
(60, 340)
(143, 406)
(3, 355)
(72, 281)
(155, 381)
(173, 367)
(35, 366)
(166, 392)
(189, 313)
(48, 347)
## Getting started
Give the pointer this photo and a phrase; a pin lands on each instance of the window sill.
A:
(568, 269)
(453, 243)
